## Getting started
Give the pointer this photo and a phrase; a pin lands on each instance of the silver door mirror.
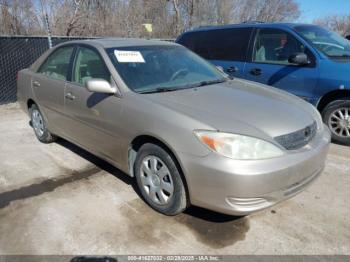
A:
(299, 59)
(100, 86)
(221, 69)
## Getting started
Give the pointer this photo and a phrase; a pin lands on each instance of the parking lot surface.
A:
(59, 199)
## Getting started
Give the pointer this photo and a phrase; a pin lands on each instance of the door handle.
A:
(36, 83)
(70, 96)
(256, 71)
(232, 69)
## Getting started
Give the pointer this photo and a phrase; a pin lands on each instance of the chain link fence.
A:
(16, 53)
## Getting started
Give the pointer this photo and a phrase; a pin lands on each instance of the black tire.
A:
(177, 201)
(329, 120)
(44, 134)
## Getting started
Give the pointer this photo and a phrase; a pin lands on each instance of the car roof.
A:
(122, 42)
(247, 24)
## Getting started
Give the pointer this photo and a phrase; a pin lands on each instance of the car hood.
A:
(240, 106)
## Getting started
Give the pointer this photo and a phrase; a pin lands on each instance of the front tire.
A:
(39, 125)
(159, 180)
(336, 116)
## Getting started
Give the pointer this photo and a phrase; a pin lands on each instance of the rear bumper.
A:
(239, 187)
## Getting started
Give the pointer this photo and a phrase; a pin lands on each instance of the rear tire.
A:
(336, 116)
(159, 180)
(39, 125)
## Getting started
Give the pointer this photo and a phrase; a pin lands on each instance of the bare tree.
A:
(18, 17)
(268, 10)
(337, 23)
(125, 18)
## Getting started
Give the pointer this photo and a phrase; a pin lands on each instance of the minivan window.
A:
(275, 46)
(148, 68)
(327, 42)
(89, 64)
(222, 44)
(57, 64)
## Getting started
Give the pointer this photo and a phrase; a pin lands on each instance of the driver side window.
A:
(89, 65)
(275, 47)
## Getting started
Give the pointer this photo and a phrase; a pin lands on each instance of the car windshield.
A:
(147, 69)
(328, 42)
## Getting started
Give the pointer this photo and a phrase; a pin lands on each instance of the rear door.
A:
(93, 117)
(48, 84)
(269, 63)
(226, 48)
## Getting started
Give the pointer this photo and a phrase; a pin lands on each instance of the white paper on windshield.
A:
(129, 56)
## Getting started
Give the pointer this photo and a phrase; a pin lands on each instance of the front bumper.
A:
(240, 187)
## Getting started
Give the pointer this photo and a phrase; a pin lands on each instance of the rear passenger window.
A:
(223, 44)
(89, 65)
(57, 64)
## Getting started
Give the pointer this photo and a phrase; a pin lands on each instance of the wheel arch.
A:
(140, 140)
(332, 96)
(30, 102)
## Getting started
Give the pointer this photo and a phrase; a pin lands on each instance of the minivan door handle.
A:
(256, 71)
(232, 69)
(36, 84)
(69, 96)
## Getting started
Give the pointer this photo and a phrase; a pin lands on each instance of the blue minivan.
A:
(306, 60)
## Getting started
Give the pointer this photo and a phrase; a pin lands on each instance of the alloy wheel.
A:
(339, 122)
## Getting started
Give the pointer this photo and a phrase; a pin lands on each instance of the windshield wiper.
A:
(212, 82)
(340, 56)
(159, 90)
(171, 89)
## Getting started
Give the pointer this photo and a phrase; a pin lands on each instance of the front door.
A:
(269, 64)
(93, 116)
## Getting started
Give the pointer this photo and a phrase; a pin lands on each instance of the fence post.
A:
(48, 30)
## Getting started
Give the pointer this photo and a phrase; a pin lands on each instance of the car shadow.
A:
(340, 143)
(210, 216)
(100, 163)
(96, 98)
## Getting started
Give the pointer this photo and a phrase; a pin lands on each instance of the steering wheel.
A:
(179, 73)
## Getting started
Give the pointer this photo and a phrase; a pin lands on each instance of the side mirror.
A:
(222, 71)
(100, 86)
(299, 59)
(220, 68)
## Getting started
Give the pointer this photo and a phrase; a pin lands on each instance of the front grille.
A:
(297, 139)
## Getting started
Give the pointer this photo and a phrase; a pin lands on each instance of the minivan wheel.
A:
(39, 125)
(337, 117)
(159, 180)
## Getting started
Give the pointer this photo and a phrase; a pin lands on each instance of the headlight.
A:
(238, 147)
(318, 119)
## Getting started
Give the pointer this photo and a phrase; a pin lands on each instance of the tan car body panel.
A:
(107, 124)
